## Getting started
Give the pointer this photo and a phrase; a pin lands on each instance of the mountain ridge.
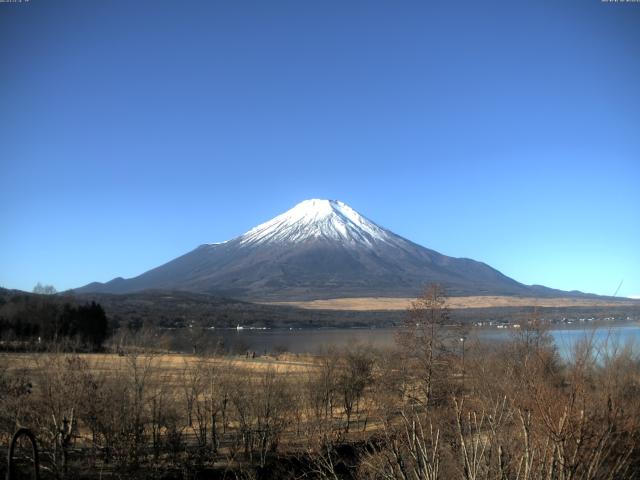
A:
(320, 249)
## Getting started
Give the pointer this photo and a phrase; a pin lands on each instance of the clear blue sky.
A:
(133, 131)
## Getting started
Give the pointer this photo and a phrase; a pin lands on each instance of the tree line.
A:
(27, 320)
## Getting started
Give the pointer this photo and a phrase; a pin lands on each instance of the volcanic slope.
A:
(320, 249)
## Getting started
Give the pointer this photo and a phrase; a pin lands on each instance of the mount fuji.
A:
(319, 249)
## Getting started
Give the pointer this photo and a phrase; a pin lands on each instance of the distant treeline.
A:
(178, 309)
(47, 318)
(181, 309)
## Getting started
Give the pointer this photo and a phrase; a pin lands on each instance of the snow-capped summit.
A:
(318, 219)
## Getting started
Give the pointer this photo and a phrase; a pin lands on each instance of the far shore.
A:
(383, 303)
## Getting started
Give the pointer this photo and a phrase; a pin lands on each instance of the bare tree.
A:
(423, 343)
(44, 289)
(262, 407)
(354, 376)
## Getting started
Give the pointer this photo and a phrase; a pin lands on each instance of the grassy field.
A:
(379, 303)
(167, 365)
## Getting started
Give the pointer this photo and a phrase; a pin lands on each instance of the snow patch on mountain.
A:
(318, 219)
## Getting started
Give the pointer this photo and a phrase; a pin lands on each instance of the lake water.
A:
(608, 339)
(314, 340)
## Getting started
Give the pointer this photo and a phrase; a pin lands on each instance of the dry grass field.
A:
(166, 365)
(380, 303)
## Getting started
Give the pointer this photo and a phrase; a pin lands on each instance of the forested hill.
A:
(178, 309)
